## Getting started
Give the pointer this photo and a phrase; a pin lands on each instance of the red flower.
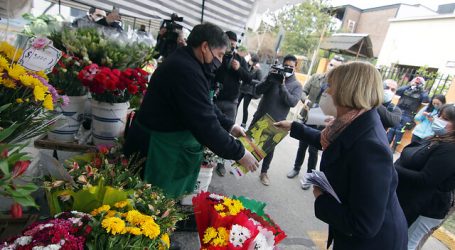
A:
(97, 162)
(103, 149)
(4, 153)
(20, 167)
(133, 89)
(16, 210)
(87, 230)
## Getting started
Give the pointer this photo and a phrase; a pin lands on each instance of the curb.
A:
(446, 237)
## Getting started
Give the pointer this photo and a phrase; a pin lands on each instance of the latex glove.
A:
(237, 131)
(249, 162)
(286, 125)
(235, 65)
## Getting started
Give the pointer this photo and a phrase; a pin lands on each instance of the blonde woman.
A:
(357, 162)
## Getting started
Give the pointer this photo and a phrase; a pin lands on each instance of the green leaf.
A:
(29, 187)
(3, 107)
(5, 133)
(26, 201)
(4, 167)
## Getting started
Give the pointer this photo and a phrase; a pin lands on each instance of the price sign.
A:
(38, 58)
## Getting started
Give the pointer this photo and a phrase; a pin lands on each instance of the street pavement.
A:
(290, 206)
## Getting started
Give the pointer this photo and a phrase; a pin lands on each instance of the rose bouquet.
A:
(112, 85)
(234, 223)
(64, 76)
(67, 230)
(25, 96)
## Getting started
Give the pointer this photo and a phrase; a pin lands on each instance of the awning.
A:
(349, 43)
(228, 14)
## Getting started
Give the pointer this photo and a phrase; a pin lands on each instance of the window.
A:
(351, 26)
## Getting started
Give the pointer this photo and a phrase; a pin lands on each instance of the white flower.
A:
(10, 247)
(239, 235)
(62, 242)
(263, 241)
(76, 221)
(48, 247)
(216, 197)
(24, 240)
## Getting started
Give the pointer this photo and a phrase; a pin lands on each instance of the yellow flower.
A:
(8, 83)
(113, 225)
(165, 242)
(48, 103)
(234, 206)
(135, 217)
(222, 214)
(43, 75)
(222, 238)
(3, 63)
(103, 208)
(121, 204)
(111, 213)
(133, 230)
(10, 51)
(219, 207)
(29, 81)
(209, 234)
(19, 100)
(150, 229)
(38, 92)
(16, 71)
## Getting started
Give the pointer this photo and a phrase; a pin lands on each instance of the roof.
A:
(434, 17)
(384, 7)
(349, 43)
(229, 15)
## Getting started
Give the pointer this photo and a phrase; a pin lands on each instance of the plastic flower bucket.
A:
(202, 185)
(65, 128)
(108, 121)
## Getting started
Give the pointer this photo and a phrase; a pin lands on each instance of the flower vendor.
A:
(177, 116)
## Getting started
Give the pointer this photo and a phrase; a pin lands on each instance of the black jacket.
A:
(390, 115)
(426, 175)
(359, 166)
(230, 79)
(178, 99)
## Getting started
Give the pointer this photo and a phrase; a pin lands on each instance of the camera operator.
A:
(169, 36)
(281, 91)
(411, 97)
(233, 71)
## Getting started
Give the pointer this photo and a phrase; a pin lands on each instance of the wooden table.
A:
(43, 142)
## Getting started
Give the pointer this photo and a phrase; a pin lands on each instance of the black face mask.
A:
(215, 64)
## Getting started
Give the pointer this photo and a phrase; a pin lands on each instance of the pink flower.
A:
(40, 43)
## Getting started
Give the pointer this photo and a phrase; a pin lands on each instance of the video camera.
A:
(167, 42)
(278, 69)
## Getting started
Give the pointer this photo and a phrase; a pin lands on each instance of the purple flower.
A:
(64, 100)
(40, 43)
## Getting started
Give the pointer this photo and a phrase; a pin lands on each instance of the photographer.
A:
(169, 35)
(233, 71)
(247, 90)
(411, 97)
(281, 91)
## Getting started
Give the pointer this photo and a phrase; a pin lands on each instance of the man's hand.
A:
(112, 17)
(286, 125)
(317, 192)
(237, 131)
(249, 162)
(235, 65)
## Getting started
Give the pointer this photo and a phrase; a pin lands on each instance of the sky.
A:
(363, 4)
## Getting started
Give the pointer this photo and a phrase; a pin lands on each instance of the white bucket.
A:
(108, 121)
(65, 128)
(202, 184)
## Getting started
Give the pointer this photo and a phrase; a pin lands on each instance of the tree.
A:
(303, 24)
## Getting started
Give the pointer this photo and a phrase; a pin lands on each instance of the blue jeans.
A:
(419, 229)
(398, 131)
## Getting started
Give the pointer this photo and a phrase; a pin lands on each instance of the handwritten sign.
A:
(38, 59)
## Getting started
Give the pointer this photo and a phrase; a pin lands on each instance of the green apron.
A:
(173, 161)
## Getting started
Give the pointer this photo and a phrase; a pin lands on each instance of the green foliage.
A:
(41, 25)
(303, 24)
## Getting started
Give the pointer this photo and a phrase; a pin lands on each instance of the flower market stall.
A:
(76, 89)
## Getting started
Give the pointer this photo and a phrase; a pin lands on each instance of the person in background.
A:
(426, 177)
(357, 162)
(312, 92)
(247, 90)
(99, 16)
(411, 97)
(389, 113)
(280, 94)
(233, 71)
(425, 117)
(177, 116)
(94, 15)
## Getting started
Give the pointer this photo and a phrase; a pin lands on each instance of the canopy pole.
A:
(150, 24)
(59, 7)
(134, 23)
(358, 51)
(202, 12)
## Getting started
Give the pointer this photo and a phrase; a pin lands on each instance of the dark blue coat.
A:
(359, 166)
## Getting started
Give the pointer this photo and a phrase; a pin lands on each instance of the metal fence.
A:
(435, 83)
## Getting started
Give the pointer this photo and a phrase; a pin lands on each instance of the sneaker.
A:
(292, 174)
(220, 170)
(264, 179)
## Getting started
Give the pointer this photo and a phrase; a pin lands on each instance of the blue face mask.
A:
(439, 126)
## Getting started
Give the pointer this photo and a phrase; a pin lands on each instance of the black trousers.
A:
(266, 162)
(246, 102)
(301, 152)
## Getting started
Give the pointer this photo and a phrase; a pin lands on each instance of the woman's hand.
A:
(286, 125)
(317, 192)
